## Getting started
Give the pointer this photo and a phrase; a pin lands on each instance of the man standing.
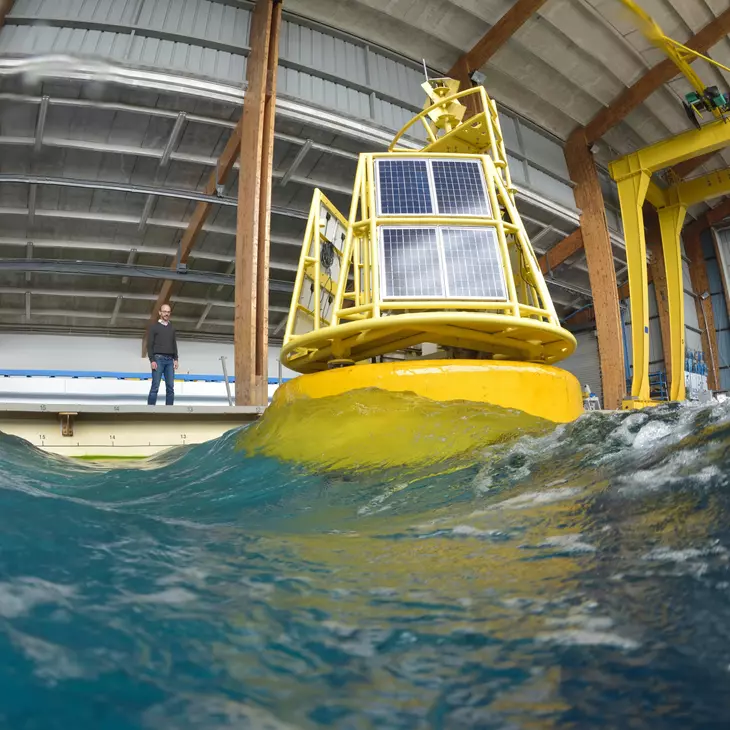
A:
(162, 352)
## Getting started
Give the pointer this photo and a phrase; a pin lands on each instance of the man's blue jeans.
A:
(166, 369)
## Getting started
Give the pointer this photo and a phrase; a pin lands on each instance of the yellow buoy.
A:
(433, 251)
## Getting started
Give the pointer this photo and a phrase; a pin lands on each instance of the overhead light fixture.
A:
(477, 77)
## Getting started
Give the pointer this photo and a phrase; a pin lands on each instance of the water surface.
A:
(576, 577)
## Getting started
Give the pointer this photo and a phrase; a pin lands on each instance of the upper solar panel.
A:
(460, 187)
(431, 187)
(404, 188)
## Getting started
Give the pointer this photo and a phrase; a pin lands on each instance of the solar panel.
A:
(473, 263)
(411, 263)
(403, 187)
(460, 187)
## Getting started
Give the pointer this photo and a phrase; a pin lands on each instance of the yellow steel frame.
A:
(632, 174)
(310, 264)
(364, 324)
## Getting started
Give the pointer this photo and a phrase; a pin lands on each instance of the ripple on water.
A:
(574, 578)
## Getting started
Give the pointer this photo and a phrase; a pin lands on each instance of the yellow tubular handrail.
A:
(299, 280)
(347, 252)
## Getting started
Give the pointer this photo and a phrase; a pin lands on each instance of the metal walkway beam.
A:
(99, 268)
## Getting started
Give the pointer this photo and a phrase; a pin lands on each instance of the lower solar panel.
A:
(441, 263)
(411, 263)
(473, 263)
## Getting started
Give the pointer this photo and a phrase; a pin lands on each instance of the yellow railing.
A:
(469, 130)
(361, 323)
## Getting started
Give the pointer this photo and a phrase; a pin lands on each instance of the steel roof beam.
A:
(81, 314)
(40, 125)
(98, 268)
(168, 114)
(67, 182)
(296, 162)
(29, 256)
(131, 296)
(106, 148)
(173, 139)
(134, 220)
(117, 307)
(127, 247)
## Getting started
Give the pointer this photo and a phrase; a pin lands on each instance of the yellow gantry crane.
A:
(633, 175)
(703, 98)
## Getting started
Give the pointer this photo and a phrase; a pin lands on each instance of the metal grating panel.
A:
(403, 187)
(460, 188)
(411, 263)
(473, 263)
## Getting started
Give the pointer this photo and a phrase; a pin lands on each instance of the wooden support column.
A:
(599, 256)
(254, 162)
(5, 7)
(267, 160)
(561, 251)
(489, 44)
(705, 316)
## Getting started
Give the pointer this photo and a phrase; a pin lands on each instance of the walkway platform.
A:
(119, 431)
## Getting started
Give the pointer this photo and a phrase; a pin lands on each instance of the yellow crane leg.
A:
(632, 188)
(671, 220)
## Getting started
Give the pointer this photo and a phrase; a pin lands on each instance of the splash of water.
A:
(575, 576)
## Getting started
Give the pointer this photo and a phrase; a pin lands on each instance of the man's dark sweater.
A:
(161, 341)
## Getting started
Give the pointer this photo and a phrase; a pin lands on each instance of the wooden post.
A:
(705, 316)
(599, 256)
(248, 221)
(561, 251)
(5, 7)
(267, 159)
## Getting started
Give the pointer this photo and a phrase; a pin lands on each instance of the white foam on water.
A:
(470, 531)
(570, 543)
(624, 432)
(532, 499)
(686, 554)
(376, 505)
(211, 712)
(672, 471)
(20, 596)
(52, 662)
(170, 596)
(586, 637)
(650, 433)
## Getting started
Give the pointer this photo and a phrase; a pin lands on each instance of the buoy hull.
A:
(539, 390)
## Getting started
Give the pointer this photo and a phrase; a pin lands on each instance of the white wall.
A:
(75, 352)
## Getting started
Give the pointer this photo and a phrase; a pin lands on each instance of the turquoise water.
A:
(577, 578)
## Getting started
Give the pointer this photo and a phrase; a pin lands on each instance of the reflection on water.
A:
(575, 577)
